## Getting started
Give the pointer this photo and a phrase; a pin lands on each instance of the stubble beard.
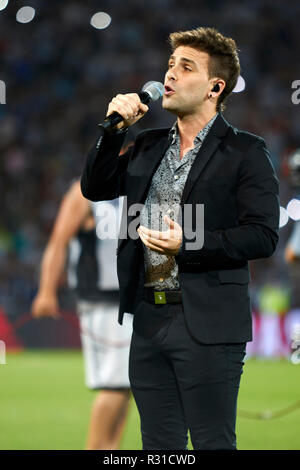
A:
(173, 107)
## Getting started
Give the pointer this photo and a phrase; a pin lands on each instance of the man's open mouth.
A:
(169, 90)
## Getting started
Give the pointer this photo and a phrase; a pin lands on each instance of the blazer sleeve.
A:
(104, 169)
(256, 234)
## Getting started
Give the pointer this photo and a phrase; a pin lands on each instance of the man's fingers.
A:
(143, 108)
(160, 246)
(164, 235)
(129, 106)
(122, 108)
(150, 245)
(155, 233)
(168, 221)
(126, 105)
(42, 309)
(154, 240)
(172, 223)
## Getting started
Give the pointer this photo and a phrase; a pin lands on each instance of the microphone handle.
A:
(115, 118)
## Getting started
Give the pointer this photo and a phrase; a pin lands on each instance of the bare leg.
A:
(108, 418)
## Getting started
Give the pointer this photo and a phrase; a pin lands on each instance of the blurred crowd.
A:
(60, 73)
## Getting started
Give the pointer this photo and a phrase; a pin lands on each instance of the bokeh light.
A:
(240, 86)
(25, 15)
(284, 217)
(100, 20)
(3, 4)
(293, 209)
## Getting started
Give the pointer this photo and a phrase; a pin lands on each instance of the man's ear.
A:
(219, 85)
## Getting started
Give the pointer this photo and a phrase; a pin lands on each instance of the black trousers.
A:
(180, 385)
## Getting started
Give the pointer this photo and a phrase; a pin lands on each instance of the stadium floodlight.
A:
(100, 20)
(283, 218)
(3, 4)
(293, 209)
(25, 14)
(240, 85)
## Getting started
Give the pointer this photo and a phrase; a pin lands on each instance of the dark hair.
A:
(224, 61)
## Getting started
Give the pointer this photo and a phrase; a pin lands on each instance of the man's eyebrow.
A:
(183, 59)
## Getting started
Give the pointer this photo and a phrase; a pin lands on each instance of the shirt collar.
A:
(199, 137)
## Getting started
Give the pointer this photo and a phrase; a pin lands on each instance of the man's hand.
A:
(129, 107)
(45, 305)
(167, 243)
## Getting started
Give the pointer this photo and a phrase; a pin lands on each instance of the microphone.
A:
(151, 91)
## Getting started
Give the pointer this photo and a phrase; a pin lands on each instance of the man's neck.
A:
(189, 127)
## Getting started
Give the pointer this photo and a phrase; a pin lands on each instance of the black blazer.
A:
(233, 177)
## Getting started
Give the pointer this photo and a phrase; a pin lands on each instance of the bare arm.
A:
(72, 212)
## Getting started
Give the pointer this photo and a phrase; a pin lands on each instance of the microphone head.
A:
(154, 89)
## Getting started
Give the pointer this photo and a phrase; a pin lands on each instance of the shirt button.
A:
(176, 177)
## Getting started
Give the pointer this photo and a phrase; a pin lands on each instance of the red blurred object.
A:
(8, 334)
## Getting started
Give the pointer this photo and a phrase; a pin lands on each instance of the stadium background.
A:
(60, 73)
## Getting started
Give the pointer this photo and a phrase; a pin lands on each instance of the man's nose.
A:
(171, 74)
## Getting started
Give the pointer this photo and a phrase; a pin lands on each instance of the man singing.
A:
(192, 312)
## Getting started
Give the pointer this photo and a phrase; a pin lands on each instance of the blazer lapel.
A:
(208, 148)
(147, 165)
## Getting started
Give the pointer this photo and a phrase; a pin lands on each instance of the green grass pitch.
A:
(45, 405)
